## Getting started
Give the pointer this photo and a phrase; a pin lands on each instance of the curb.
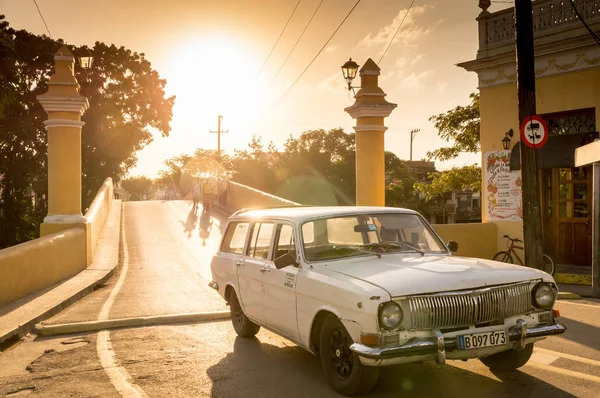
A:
(568, 296)
(95, 326)
(573, 279)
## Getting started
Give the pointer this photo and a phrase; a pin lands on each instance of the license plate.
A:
(481, 340)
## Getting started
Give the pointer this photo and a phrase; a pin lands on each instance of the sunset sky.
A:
(210, 52)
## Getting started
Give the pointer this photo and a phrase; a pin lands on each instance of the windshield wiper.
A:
(386, 244)
(359, 249)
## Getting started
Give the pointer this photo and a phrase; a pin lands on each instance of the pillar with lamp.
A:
(64, 106)
(369, 110)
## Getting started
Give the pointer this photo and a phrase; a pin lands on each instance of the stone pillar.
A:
(369, 110)
(64, 107)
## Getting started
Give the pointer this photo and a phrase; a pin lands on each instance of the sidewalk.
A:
(20, 316)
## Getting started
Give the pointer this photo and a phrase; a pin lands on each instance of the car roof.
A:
(300, 213)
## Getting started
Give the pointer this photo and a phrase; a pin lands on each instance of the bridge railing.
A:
(39, 263)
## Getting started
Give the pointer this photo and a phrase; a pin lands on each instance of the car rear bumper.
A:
(439, 345)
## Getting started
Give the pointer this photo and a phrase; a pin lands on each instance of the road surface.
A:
(165, 270)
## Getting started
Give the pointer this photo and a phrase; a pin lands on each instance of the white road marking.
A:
(565, 372)
(578, 304)
(118, 375)
(567, 356)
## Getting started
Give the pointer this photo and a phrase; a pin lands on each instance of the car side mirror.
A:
(453, 246)
(288, 258)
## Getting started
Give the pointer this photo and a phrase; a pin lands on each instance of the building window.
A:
(571, 122)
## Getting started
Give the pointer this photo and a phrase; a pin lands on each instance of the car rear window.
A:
(235, 238)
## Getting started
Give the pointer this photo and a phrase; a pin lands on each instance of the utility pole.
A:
(532, 215)
(413, 132)
(219, 132)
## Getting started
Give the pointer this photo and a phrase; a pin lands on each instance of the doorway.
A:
(567, 206)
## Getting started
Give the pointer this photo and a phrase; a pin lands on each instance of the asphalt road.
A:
(165, 270)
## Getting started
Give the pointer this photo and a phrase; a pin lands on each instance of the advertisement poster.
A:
(502, 188)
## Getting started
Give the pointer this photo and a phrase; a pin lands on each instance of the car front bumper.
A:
(438, 346)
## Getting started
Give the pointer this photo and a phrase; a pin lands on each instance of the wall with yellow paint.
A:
(474, 240)
(34, 265)
(499, 113)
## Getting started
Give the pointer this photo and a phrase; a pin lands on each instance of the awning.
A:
(559, 151)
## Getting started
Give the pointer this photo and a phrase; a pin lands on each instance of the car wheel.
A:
(346, 374)
(508, 360)
(243, 326)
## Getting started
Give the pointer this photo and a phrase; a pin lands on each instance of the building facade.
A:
(567, 68)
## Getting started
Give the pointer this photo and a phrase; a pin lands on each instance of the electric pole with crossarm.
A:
(219, 132)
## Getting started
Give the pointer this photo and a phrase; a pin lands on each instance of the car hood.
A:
(407, 274)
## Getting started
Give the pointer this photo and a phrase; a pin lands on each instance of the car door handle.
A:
(239, 263)
(265, 269)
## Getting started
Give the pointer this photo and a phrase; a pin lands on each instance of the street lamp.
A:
(349, 70)
(84, 58)
(506, 140)
(412, 135)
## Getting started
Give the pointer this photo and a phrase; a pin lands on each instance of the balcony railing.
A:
(549, 17)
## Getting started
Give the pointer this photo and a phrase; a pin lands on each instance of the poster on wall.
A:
(502, 187)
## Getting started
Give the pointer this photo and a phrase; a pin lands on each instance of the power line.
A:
(43, 20)
(297, 41)
(397, 30)
(315, 57)
(596, 38)
(281, 34)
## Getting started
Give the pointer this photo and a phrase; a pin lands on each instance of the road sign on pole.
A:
(534, 132)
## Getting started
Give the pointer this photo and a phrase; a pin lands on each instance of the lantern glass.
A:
(506, 142)
(349, 70)
(86, 61)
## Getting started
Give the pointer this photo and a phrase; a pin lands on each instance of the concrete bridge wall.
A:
(34, 265)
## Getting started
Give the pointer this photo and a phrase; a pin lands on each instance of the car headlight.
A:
(543, 296)
(390, 315)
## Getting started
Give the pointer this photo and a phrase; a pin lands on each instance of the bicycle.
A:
(506, 256)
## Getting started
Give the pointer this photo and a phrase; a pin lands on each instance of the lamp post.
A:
(412, 136)
(64, 106)
(369, 110)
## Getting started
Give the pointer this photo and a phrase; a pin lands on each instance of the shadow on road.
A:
(264, 370)
(581, 333)
(206, 223)
(190, 223)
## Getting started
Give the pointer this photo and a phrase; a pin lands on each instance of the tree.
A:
(137, 187)
(461, 126)
(126, 99)
(466, 178)
(7, 67)
(399, 182)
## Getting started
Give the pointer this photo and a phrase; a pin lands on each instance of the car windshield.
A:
(364, 234)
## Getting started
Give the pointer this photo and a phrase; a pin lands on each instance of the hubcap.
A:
(341, 357)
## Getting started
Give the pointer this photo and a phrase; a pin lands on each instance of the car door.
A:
(280, 285)
(251, 269)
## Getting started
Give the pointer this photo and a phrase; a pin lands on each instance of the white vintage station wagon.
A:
(365, 287)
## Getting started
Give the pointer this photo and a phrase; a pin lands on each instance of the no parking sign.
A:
(534, 131)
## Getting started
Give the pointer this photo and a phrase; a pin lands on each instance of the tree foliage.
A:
(466, 178)
(317, 168)
(459, 126)
(126, 98)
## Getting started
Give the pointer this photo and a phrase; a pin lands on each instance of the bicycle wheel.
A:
(548, 264)
(503, 257)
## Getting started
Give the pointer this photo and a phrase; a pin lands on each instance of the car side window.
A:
(285, 241)
(235, 238)
(260, 240)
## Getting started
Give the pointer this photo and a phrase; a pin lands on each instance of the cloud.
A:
(416, 79)
(334, 82)
(331, 48)
(408, 34)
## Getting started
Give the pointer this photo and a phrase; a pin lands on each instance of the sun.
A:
(213, 76)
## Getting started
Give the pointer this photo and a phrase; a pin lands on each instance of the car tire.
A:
(508, 360)
(243, 326)
(346, 374)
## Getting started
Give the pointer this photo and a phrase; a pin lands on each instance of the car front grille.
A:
(465, 308)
